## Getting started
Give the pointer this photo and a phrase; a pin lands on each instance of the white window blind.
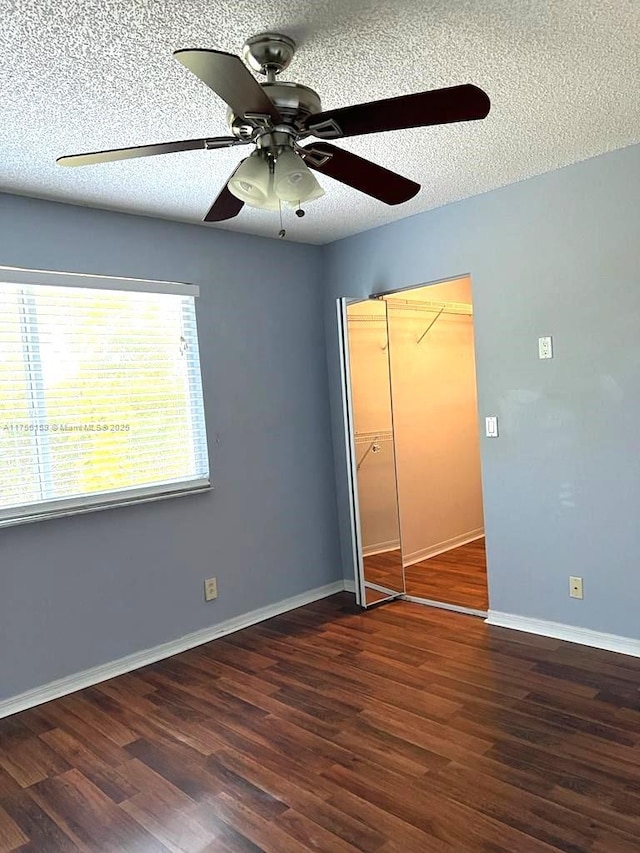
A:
(100, 393)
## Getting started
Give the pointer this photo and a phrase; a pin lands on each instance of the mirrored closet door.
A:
(369, 420)
(414, 447)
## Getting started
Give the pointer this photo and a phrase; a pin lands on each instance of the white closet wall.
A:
(436, 424)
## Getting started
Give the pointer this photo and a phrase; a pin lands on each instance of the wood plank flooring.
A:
(457, 577)
(385, 569)
(406, 729)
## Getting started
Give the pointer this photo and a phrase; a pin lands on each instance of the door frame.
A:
(350, 448)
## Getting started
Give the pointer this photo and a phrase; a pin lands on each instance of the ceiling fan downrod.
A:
(269, 54)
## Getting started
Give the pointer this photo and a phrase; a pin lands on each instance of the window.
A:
(100, 393)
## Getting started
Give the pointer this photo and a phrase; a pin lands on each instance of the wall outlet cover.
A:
(545, 347)
(575, 587)
(210, 589)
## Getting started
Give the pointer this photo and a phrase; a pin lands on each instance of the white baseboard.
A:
(350, 586)
(79, 680)
(443, 547)
(443, 605)
(571, 633)
(376, 587)
(381, 548)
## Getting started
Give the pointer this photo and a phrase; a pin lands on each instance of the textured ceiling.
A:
(82, 75)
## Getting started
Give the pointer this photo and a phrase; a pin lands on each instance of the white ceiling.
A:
(83, 75)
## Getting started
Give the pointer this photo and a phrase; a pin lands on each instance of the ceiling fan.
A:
(275, 116)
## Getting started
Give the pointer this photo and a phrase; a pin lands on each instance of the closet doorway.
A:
(414, 447)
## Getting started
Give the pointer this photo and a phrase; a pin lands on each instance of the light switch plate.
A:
(491, 426)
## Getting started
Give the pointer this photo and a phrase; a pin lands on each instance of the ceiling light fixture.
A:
(276, 116)
(293, 180)
(251, 182)
(270, 177)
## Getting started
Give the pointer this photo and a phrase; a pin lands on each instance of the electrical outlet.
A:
(210, 589)
(575, 587)
(545, 347)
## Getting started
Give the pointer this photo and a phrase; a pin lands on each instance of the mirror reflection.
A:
(374, 448)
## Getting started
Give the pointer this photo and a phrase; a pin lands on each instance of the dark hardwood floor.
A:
(406, 729)
(457, 577)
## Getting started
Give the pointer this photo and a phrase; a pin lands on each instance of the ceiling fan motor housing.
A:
(294, 101)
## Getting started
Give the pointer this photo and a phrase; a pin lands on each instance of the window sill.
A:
(120, 499)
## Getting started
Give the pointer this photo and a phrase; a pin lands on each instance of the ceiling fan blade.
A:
(226, 206)
(229, 78)
(359, 173)
(147, 150)
(438, 106)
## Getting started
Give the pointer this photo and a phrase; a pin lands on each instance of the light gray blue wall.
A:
(555, 255)
(559, 254)
(82, 591)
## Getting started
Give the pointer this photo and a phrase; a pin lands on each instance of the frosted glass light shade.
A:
(293, 181)
(251, 182)
(318, 192)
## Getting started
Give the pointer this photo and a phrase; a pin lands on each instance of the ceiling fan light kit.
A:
(276, 116)
(266, 179)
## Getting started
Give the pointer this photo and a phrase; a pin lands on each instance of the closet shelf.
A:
(368, 318)
(365, 437)
(463, 308)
